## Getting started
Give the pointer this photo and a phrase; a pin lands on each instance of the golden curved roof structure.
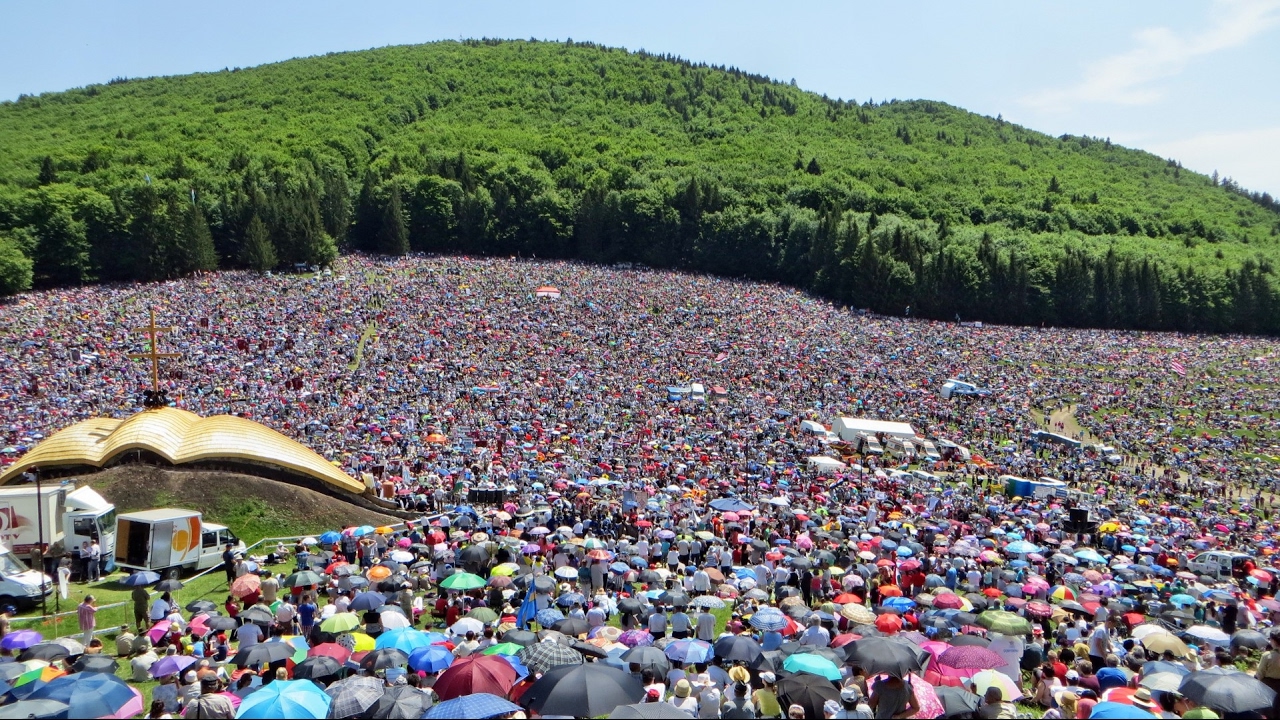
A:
(180, 437)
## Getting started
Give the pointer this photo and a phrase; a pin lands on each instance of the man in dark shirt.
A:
(1230, 614)
(229, 564)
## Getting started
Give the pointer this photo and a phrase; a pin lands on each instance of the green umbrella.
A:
(303, 579)
(483, 614)
(812, 664)
(462, 581)
(1004, 622)
(503, 649)
(341, 622)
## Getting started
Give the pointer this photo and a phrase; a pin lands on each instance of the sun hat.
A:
(683, 688)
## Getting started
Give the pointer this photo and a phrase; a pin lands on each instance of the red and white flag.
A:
(1178, 368)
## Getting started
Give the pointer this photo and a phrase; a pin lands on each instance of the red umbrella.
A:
(948, 601)
(844, 639)
(892, 591)
(846, 598)
(888, 623)
(333, 650)
(1035, 608)
(476, 674)
(992, 592)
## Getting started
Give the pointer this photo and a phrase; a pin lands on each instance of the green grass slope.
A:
(577, 150)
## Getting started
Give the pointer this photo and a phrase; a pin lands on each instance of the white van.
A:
(926, 476)
(697, 392)
(21, 586)
(1220, 564)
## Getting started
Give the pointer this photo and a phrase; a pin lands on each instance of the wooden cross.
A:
(154, 333)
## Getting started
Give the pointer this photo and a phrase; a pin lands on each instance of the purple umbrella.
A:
(635, 638)
(21, 640)
(971, 657)
(171, 665)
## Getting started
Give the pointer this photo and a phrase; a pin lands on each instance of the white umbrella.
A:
(402, 556)
(392, 620)
(465, 625)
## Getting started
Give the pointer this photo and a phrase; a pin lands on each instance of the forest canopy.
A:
(577, 150)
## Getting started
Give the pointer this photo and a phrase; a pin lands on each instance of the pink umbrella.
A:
(404, 542)
(198, 624)
(130, 709)
(948, 601)
(156, 632)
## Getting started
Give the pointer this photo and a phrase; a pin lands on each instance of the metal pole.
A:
(44, 598)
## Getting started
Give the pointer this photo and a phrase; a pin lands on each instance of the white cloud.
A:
(1248, 156)
(1131, 77)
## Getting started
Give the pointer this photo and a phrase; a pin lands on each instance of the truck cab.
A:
(213, 538)
(868, 444)
(21, 586)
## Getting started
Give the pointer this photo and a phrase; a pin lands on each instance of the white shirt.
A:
(1099, 641)
(816, 635)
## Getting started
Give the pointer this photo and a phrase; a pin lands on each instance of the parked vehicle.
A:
(1220, 564)
(955, 387)
(900, 447)
(1046, 437)
(169, 538)
(56, 519)
(21, 586)
(869, 445)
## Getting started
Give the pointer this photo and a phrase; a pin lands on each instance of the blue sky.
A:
(1197, 81)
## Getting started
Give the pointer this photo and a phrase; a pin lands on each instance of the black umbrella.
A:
(808, 691)
(957, 701)
(400, 703)
(888, 655)
(974, 640)
(648, 657)
(582, 690)
(738, 648)
(630, 605)
(196, 607)
(263, 653)
(221, 623)
(169, 585)
(384, 658)
(47, 651)
(519, 637)
(674, 597)
(572, 627)
(96, 663)
(317, 667)
(1251, 639)
(649, 576)
(473, 555)
(257, 616)
(648, 711)
(1227, 690)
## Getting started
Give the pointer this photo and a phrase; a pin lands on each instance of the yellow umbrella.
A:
(506, 569)
(364, 643)
(384, 530)
(1108, 527)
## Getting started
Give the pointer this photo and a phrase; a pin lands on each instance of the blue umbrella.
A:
(431, 659)
(404, 639)
(689, 651)
(330, 538)
(548, 617)
(362, 531)
(286, 698)
(367, 601)
(768, 618)
(1089, 555)
(88, 695)
(905, 552)
(1182, 600)
(477, 705)
(901, 604)
(1021, 547)
(571, 598)
(522, 672)
(729, 505)
(145, 577)
(619, 567)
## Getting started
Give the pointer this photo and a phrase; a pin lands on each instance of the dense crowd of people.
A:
(685, 550)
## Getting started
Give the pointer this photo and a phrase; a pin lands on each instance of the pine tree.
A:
(258, 251)
(368, 217)
(1053, 185)
(393, 236)
(197, 242)
(814, 168)
(48, 174)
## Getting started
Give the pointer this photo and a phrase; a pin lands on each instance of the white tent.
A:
(824, 464)
(848, 428)
(813, 427)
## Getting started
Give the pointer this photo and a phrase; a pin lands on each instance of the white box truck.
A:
(68, 517)
(170, 539)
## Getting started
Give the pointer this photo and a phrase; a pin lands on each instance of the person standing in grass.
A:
(88, 615)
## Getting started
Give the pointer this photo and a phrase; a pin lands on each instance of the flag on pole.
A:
(1178, 368)
(528, 609)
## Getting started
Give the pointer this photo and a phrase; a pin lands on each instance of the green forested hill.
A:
(554, 149)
